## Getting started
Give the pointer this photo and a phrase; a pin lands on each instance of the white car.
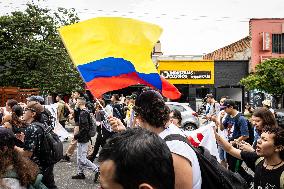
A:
(190, 120)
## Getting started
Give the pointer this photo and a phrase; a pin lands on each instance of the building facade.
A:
(196, 78)
(267, 39)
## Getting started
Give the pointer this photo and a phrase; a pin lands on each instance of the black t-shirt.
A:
(263, 178)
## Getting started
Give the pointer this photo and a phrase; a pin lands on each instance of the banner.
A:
(204, 136)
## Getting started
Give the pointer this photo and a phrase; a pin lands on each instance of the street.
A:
(63, 171)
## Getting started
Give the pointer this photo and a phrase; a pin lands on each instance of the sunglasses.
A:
(31, 109)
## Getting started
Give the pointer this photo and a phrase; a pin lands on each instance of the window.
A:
(278, 43)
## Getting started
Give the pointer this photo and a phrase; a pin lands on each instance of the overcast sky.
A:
(190, 27)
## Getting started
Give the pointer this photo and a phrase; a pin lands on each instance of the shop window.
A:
(278, 43)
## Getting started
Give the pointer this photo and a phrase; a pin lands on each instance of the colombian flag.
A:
(112, 53)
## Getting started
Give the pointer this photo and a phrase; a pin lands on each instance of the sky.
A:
(190, 27)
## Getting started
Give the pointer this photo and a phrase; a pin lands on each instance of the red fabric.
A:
(99, 86)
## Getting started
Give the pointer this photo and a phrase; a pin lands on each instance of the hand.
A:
(7, 125)
(244, 146)
(208, 117)
(20, 136)
(222, 114)
(116, 124)
(214, 118)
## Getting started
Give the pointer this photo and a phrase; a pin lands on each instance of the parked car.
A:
(190, 120)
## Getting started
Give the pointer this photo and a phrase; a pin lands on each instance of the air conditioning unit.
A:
(266, 41)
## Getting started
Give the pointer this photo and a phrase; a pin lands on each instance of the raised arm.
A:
(228, 147)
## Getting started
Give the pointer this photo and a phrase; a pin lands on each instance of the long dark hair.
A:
(26, 170)
(268, 119)
(17, 112)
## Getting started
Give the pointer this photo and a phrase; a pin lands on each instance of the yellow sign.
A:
(187, 72)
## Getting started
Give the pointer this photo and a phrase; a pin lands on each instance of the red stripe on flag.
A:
(193, 142)
(200, 136)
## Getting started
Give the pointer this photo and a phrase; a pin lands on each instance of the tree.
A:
(32, 53)
(268, 77)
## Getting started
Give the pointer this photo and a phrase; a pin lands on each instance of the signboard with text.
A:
(187, 72)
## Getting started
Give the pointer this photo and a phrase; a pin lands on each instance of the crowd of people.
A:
(132, 142)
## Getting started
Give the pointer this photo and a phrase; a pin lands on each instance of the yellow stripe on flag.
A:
(104, 37)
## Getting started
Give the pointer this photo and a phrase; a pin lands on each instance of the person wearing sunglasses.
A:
(33, 141)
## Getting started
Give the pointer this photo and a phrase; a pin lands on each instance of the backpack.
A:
(250, 129)
(66, 111)
(93, 125)
(36, 185)
(213, 174)
(51, 150)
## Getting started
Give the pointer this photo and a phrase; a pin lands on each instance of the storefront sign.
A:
(187, 72)
(179, 74)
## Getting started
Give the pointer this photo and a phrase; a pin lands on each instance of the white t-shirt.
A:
(182, 149)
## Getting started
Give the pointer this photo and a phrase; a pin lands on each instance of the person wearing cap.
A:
(267, 105)
(237, 129)
(16, 171)
(46, 116)
(152, 113)
(33, 140)
(39, 99)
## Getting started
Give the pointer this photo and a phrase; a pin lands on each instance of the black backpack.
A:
(213, 174)
(66, 111)
(250, 128)
(51, 150)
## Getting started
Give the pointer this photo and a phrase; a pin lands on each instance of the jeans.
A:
(222, 153)
(82, 161)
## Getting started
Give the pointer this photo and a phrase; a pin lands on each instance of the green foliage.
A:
(268, 77)
(32, 54)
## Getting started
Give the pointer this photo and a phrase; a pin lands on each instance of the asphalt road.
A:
(63, 172)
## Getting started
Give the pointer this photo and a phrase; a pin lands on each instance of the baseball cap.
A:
(36, 107)
(7, 138)
(228, 103)
(36, 98)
